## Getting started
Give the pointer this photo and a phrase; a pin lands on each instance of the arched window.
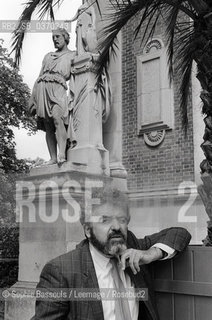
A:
(154, 92)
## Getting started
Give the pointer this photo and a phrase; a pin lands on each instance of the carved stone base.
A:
(96, 160)
(20, 303)
(87, 118)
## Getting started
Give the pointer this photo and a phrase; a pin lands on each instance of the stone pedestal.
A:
(87, 117)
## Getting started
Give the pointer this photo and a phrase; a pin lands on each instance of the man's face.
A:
(109, 234)
(59, 40)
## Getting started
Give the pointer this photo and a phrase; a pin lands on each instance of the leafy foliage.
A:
(9, 234)
(9, 273)
(14, 94)
(13, 111)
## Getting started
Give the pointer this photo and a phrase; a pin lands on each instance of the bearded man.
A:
(109, 258)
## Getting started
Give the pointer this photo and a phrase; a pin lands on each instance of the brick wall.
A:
(172, 161)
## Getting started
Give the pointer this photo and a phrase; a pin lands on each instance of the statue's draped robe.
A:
(51, 88)
(86, 37)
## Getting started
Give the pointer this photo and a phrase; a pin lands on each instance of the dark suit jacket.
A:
(75, 269)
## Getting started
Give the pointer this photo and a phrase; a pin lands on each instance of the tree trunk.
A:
(203, 57)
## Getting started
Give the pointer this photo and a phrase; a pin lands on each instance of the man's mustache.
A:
(115, 234)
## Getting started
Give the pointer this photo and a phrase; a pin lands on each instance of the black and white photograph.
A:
(105, 160)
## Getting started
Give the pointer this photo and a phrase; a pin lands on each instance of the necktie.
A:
(122, 310)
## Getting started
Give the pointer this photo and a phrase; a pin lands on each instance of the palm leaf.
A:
(44, 7)
(200, 6)
(19, 32)
(174, 29)
(171, 18)
(181, 42)
(185, 48)
(115, 21)
(180, 39)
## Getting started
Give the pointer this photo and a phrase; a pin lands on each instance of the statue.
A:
(86, 38)
(86, 41)
(49, 100)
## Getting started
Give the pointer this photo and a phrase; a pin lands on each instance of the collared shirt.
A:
(105, 280)
(103, 267)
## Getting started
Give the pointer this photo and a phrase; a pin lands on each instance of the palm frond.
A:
(200, 6)
(124, 10)
(180, 38)
(44, 7)
(115, 21)
(180, 50)
(19, 32)
(185, 89)
(171, 17)
(98, 6)
(150, 16)
(183, 59)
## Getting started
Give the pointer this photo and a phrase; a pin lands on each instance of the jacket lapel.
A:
(142, 280)
(90, 281)
(140, 283)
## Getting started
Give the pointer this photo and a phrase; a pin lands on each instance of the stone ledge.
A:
(54, 169)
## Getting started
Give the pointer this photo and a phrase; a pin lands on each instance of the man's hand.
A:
(134, 258)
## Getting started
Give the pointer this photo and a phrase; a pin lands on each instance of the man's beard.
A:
(111, 247)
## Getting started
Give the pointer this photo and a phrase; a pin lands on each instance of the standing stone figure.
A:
(50, 101)
(86, 38)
